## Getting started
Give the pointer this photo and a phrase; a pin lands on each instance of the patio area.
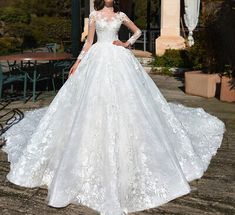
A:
(212, 194)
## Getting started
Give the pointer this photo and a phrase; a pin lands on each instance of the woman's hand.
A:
(74, 67)
(120, 43)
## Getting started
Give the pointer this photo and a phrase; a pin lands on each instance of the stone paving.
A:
(212, 194)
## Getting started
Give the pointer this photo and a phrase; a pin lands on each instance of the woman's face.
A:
(108, 2)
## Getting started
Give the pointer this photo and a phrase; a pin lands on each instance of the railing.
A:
(147, 40)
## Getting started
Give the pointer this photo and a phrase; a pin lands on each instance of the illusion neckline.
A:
(108, 19)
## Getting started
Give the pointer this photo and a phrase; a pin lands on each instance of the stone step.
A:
(144, 57)
(145, 61)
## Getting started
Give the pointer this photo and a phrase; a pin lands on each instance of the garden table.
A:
(35, 57)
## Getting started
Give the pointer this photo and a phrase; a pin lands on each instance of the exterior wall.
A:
(91, 5)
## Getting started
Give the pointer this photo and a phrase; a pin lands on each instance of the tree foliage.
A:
(140, 10)
(44, 7)
(50, 29)
(34, 23)
(14, 15)
(218, 35)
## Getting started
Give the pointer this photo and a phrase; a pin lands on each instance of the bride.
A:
(109, 139)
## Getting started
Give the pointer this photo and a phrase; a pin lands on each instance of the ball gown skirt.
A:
(110, 140)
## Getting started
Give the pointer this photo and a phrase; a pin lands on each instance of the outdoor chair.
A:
(39, 72)
(16, 74)
(42, 49)
(52, 47)
(62, 68)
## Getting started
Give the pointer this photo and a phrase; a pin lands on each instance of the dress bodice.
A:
(107, 27)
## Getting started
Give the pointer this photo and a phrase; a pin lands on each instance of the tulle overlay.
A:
(110, 140)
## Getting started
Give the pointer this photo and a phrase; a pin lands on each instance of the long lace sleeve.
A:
(136, 31)
(90, 36)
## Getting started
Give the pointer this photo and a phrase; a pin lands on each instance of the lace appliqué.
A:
(90, 23)
(92, 17)
(137, 33)
(134, 37)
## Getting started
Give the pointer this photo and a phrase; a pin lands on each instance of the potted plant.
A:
(227, 92)
(199, 80)
(201, 84)
(217, 39)
(225, 29)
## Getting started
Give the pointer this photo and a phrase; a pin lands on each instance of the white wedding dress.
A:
(109, 139)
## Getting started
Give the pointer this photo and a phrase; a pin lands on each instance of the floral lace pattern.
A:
(107, 28)
(109, 139)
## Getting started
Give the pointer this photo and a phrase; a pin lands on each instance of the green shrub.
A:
(33, 23)
(50, 29)
(218, 36)
(166, 71)
(8, 45)
(174, 58)
(40, 31)
(14, 15)
(22, 32)
(171, 58)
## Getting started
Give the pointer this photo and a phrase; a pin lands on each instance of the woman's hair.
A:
(99, 4)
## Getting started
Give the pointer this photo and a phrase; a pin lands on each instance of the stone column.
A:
(170, 27)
